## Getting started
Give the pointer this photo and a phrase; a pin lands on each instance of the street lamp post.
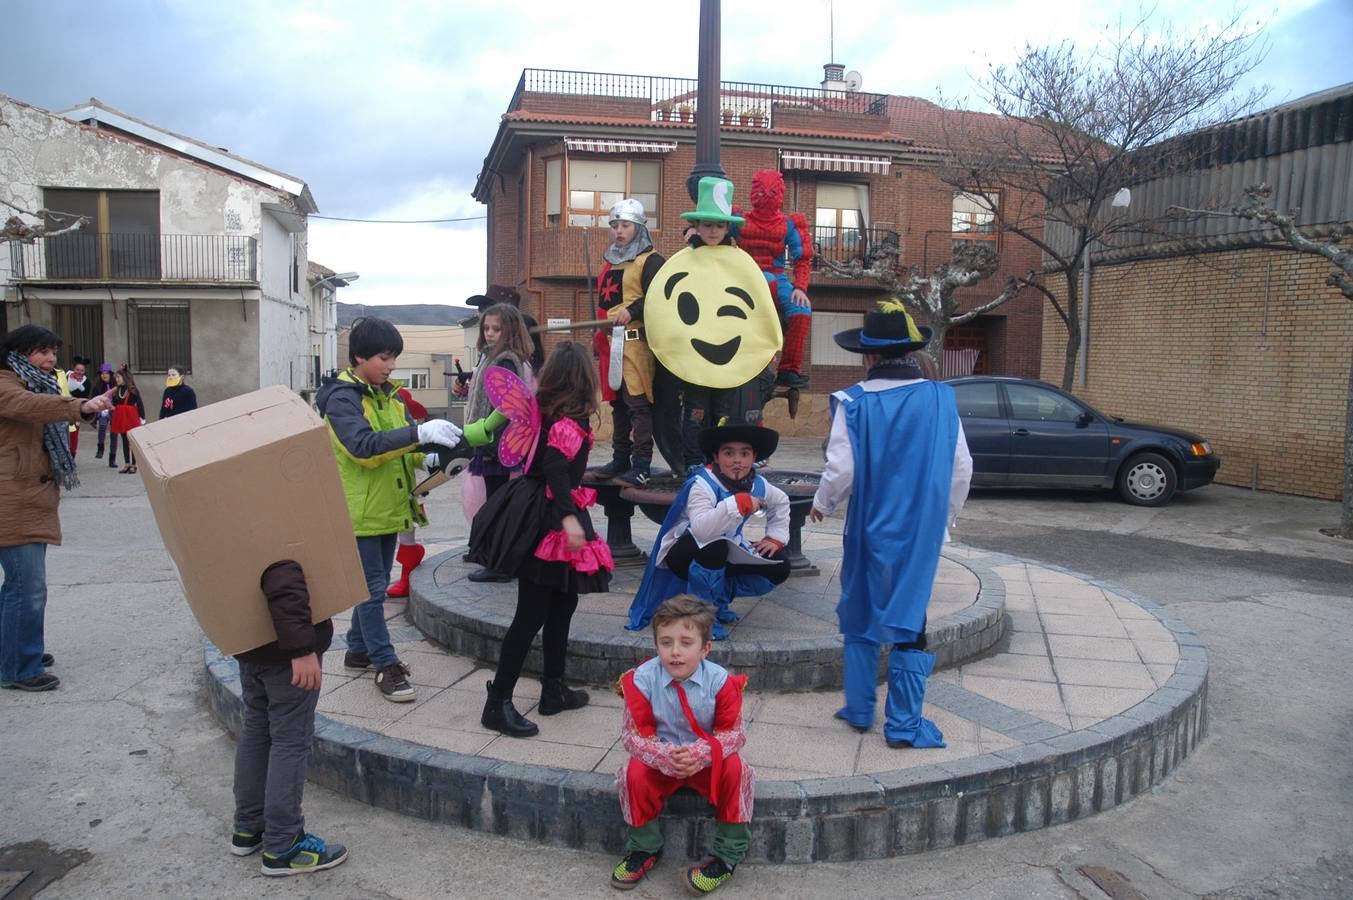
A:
(707, 100)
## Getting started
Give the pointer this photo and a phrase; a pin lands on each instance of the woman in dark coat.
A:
(178, 397)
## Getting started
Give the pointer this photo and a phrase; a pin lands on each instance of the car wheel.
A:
(1147, 479)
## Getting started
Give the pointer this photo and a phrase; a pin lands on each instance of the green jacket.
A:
(375, 441)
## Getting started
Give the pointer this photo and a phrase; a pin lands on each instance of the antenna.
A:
(831, 32)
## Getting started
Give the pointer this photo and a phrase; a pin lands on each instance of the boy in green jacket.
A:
(376, 442)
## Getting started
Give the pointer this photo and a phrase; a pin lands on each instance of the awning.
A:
(834, 162)
(599, 146)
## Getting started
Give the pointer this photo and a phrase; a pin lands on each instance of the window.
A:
(978, 400)
(825, 351)
(122, 239)
(160, 337)
(594, 186)
(842, 211)
(1040, 404)
(413, 379)
(554, 175)
(974, 219)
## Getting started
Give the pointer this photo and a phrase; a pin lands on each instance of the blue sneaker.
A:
(245, 843)
(309, 853)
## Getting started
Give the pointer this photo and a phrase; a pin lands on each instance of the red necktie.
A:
(715, 748)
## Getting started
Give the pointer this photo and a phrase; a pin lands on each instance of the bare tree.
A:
(1075, 125)
(931, 297)
(16, 229)
(1258, 208)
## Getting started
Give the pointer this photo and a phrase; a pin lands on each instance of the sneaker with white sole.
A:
(245, 842)
(309, 853)
(393, 682)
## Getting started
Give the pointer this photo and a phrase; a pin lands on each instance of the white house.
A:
(192, 256)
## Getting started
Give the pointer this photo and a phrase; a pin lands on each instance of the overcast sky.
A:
(388, 109)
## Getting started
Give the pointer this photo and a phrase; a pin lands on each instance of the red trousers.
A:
(645, 789)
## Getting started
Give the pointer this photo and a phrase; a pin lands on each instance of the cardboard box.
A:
(238, 485)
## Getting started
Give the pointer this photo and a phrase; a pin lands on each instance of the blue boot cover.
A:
(907, 671)
(711, 586)
(861, 682)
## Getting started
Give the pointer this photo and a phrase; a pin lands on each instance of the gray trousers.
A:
(270, 759)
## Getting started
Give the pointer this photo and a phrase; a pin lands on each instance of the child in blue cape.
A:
(701, 548)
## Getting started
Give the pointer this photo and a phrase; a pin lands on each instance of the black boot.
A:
(501, 715)
(555, 697)
(619, 465)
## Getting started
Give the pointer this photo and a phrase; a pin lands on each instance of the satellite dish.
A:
(853, 80)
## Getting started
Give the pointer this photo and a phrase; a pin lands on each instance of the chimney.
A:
(834, 77)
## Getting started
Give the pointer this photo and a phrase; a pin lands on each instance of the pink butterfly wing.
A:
(510, 396)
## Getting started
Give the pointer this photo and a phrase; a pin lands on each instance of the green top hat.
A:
(714, 203)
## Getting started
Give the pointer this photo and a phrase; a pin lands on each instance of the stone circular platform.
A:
(1091, 697)
(786, 641)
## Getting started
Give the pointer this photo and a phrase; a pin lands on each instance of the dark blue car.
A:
(1025, 433)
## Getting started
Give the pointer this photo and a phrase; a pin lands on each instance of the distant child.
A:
(503, 341)
(701, 548)
(630, 266)
(128, 413)
(178, 397)
(280, 684)
(103, 385)
(682, 726)
(538, 529)
(376, 443)
(74, 383)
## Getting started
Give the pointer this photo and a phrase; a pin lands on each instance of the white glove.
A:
(430, 461)
(438, 431)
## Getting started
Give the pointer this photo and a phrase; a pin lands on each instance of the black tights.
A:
(537, 606)
(126, 450)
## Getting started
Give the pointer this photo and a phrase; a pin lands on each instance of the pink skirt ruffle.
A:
(594, 555)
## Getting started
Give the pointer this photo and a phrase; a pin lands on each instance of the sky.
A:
(387, 110)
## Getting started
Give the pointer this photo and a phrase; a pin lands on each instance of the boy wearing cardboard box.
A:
(376, 443)
(279, 683)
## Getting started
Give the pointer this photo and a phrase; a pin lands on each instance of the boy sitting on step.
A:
(682, 727)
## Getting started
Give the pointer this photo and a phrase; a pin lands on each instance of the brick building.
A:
(863, 168)
(1222, 327)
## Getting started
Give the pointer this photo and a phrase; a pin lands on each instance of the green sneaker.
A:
(708, 876)
(308, 854)
(632, 869)
(245, 843)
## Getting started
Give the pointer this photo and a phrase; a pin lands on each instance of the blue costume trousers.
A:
(907, 672)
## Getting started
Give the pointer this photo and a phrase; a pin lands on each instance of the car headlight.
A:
(1201, 448)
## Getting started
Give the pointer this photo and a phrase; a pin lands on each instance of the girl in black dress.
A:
(537, 528)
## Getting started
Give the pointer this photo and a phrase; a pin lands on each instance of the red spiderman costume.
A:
(780, 243)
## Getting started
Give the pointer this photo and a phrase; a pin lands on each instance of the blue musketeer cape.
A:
(661, 583)
(903, 442)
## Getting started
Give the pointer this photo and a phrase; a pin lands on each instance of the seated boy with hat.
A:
(701, 548)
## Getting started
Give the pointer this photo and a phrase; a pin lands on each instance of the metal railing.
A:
(868, 246)
(114, 256)
(674, 99)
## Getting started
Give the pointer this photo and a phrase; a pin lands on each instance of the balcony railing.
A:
(113, 256)
(660, 98)
(868, 246)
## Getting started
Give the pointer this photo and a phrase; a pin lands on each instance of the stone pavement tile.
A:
(395, 609)
(824, 751)
(332, 663)
(1024, 642)
(964, 552)
(604, 696)
(1158, 652)
(1068, 590)
(953, 595)
(1075, 646)
(770, 621)
(442, 738)
(1160, 673)
(991, 740)
(360, 697)
(1039, 575)
(591, 726)
(950, 572)
(452, 709)
(332, 683)
(613, 760)
(1147, 630)
(435, 668)
(1025, 667)
(774, 773)
(807, 708)
(1024, 621)
(1079, 722)
(1012, 572)
(1020, 602)
(1075, 606)
(1103, 673)
(877, 756)
(1090, 626)
(949, 676)
(538, 752)
(600, 622)
(1032, 697)
(1126, 609)
(1054, 717)
(953, 725)
(1102, 702)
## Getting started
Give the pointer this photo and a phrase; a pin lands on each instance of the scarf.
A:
(898, 368)
(477, 404)
(55, 435)
(642, 242)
